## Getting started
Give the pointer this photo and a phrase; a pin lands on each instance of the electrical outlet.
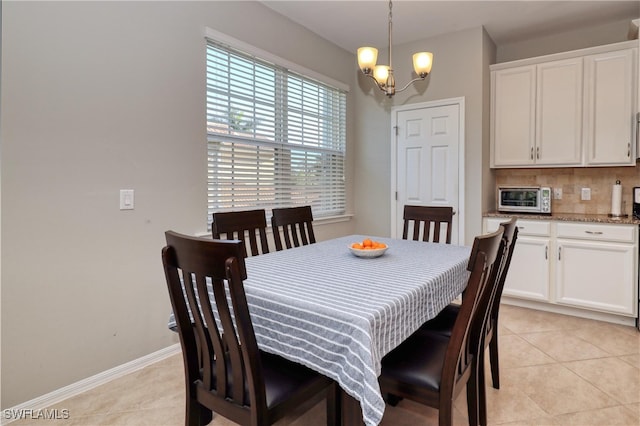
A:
(585, 194)
(557, 193)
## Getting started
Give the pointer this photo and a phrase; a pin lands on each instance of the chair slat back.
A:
(247, 226)
(295, 224)
(423, 218)
(510, 236)
(464, 343)
(219, 350)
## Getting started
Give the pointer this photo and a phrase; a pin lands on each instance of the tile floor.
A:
(555, 370)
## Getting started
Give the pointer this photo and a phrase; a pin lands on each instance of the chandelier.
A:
(383, 74)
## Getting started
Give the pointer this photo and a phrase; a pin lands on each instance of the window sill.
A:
(319, 221)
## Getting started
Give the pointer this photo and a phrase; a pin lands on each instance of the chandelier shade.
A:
(383, 74)
(367, 58)
(422, 62)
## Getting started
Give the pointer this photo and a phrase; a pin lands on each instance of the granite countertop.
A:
(569, 217)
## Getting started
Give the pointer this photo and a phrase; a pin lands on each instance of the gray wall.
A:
(593, 35)
(97, 97)
(460, 70)
(488, 178)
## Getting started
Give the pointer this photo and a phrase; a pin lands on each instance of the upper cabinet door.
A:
(609, 122)
(559, 113)
(513, 116)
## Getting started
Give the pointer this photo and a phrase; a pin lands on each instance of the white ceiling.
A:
(351, 24)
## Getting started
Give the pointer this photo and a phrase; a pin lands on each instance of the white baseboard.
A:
(89, 383)
(567, 310)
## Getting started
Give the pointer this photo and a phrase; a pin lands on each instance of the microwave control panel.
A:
(545, 200)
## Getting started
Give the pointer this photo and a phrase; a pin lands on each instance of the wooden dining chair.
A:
(431, 368)
(247, 226)
(510, 237)
(296, 225)
(443, 323)
(225, 372)
(422, 218)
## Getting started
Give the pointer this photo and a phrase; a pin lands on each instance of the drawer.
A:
(597, 231)
(525, 227)
(534, 227)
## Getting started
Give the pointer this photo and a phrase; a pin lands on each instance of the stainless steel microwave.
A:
(524, 199)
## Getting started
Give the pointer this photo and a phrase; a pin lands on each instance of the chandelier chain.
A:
(390, 30)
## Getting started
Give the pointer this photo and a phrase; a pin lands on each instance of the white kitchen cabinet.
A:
(596, 267)
(559, 113)
(590, 267)
(595, 275)
(572, 109)
(513, 114)
(528, 275)
(609, 126)
(537, 115)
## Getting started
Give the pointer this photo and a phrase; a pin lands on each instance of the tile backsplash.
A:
(572, 180)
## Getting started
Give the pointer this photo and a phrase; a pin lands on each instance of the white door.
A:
(427, 160)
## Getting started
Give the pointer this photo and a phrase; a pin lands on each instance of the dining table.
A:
(339, 314)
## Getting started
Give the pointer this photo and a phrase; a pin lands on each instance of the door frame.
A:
(460, 102)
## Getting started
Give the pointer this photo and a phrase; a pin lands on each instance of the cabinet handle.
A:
(532, 153)
(538, 153)
(546, 252)
(559, 253)
(629, 150)
(594, 232)
(637, 130)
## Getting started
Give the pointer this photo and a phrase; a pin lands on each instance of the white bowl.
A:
(368, 253)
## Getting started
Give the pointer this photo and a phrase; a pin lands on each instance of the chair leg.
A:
(206, 416)
(493, 358)
(196, 414)
(445, 413)
(482, 392)
(472, 400)
(392, 400)
(190, 417)
(334, 405)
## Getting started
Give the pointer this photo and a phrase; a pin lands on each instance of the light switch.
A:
(585, 194)
(126, 199)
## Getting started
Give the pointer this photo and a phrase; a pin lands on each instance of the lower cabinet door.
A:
(528, 275)
(596, 275)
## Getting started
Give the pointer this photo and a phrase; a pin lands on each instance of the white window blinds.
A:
(275, 138)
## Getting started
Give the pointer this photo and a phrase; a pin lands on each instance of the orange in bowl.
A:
(368, 248)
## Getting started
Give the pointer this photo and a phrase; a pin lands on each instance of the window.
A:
(275, 137)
